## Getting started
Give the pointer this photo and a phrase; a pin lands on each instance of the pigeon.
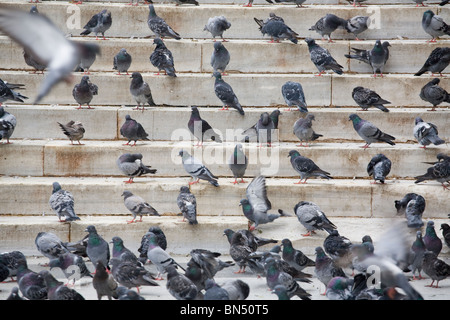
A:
(104, 283)
(220, 58)
(88, 58)
(297, 2)
(34, 62)
(239, 251)
(128, 294)
(294, 96)
(306, 167)
(99, 23)
(444, 2)
(295, 257)
(180, 286)
(445, 227)
(432, 242)
(208, 261)
(356, 3)
(281, 292)
(357, 25)
(277, 29)
(417, 253)
(368, 246)
(326, 25)
(440, 171)
(122, 61)
(437, 269)
(338, 248)
(366, 98)
(217, 26)
(434, 25)
(226, 94)
(412, 205)
(186, 2)
(122, 253)
(369, 132)
(15, 295)
(72, 265)
(131, 165)
(162, 58)
(201, 129)
(251, 132)
(437, 61)
(50, 245)
(8, 124)
(60, 54)
(264, 129)
(84, 91)
(62, 203)
(249, 238)
(7, 92)
(74, 130)
(434, 94)
(325, 268)
(56, 290)
(161, 240)
(419, 3)
(4, 272)
(187, 203)
(31, 284)
(12, 260)
(214, 292)
(159, 26)
(376, 57)
(131, 275)
(304, 132)
(340, 288)
(97, 248)
(196, 169)
(379, 167)
(312, 218)
(237, 289)
(78, 247)
(426, 133)
(137, 206)
(140, 90)
(133, 131)
(238, 163)
(322, 58)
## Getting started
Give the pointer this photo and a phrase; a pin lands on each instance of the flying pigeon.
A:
(97, 248)
(162, 58)
(88, 58)
(187, 203)
(437, 269)
(434, 94)
(338, 248)
(325, 269)
(99, 23)
(328, 24)
(312, 218)
(295, 257)
(74, 130)
(417, 253)
(7, 92)
(379, 167)
(196, 169)
(432, 242)
(140, 90)
(369, 132)
(412, 205)
(56, 290)
(217, 26)
(276, 29)
(376, 57)
(131, 275)
(8, 124)
(437, 61)
(133, 131)
(220, 58)
(322, 58)
(306, 167)
(366, 98)
(131, 165)
(62, 203)
(104, 283)
(357, 25)
(180, 286)
(137, 206)
(294, 96)
(201, 129)
(122, 61)
(159, 26)
(238, 163)
(84, 91)
(434, 25)
(440, 171)
(426, 133)
(72, 265)
(226, 94)
(304, 132)
(50, 245)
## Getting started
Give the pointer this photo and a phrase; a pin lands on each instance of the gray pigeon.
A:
(264, 130)
(140, 90)
(434, 25)
(122, 61)
(145, 241)
(8, 124)
(97, 248)
(62, 203)
(31, 284)
(356, 3)
(121, 252)
(412, 206)
(437, 269)
(99, 23)
(304, 132)
(322, 58)
(180, 286)
(328, 24)
(72, 265)
(87, 59)
(277, 29)
(104, 283)
(159, 26)
(56, 290)
(179, 2)
(50, 245)
(297, 2)
(379, 167)
(162, 58)
(312, 218)
(437, 61)
(339, 249)
(239, 251)
(325, 269)
(187, 203)
(238, 163)
(74, 130)
(366, 98)
(294, 96)
(217, 26)
(34, 63)
(357, 25)
(306, 167)
(295, 257)
(214, 292)
(128, 294)
(426, 133)
(226, 94)
(15, 295)
(440, 172)
(375, 57)
(132, 166)
(237, 289)
(201, 129)
(417, 253)
(220, 58)
(434, 94)
(137, 206)
(131, 275)
(196, 169)
(84, 91)
(369, 132)
(7, 92)
(133, 131)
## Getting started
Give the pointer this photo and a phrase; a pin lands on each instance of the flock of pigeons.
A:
(118, 269)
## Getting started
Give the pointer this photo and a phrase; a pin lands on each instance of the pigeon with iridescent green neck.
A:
(295, 257)
(369, 132)
(97, 248)
(432, 242)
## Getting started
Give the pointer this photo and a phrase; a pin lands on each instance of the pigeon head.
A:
(185, 189)
(159, 43)
(85, 79)
(354, 117)
(127, 117)
(195, 110)
(136, 76)
(264, 118)
(56, 187)
(123, 51)
(244, 203)
(117, 241)
(386, 44)
(126, 194)
(218, 46)
(90, 229)
(311, 117)
(293, 154)
(435, 81)
(378, 46)
(428, 13)
(217, 75)
(418, 120)
(152, 11)
(310, 41)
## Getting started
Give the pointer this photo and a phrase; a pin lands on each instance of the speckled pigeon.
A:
(187, 203)
(311, 216)
(426, 133)
(294, 96)
(196, 169)
(306, 167)
(131, 275)
(437, 269)
(367, 98)
(239, 251)
(369, 132)
(159, 26)
(445, 227)
(326, 25)
(376, 57)
(12, 260)
(437, 61)
(162, 58)
(8, 124)
(133, 131)
(62, 203)
(322, 58)
(277, 30)
(217, 26)
(338, 248)
(434, 94)
(226, 94)
(379, 167)
(84, 92)
(412, 205)
(440, 172)
(357, 25)
(140, 90)
(238, 163)
(304, 132)
(434, 25)
(180, 286)
(122, 61)
(132, 166)
(99, 23)
(50, 245)
(31, 284)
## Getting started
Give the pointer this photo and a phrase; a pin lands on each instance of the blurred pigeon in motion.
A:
(131, 275)
(74, 130)
(417, 253)
(214, 292)
(338, 248)
(162, 58)
(180, 286)
(295, 257)
(7, 91)
(50, 245)
(325, 269)
(379, 167)
(366, 98)
(440, 171)
(357, 25)
(99, 23)
(376, 57)
(140, 90)
(434, 94)
(104, 283)
(179, 2)
(133, 131)
(226, 94)
(187, 203)
(159, 26)
(201, 129)
(437, 61)
(326, 25)
(122, 61)
(84, 91)
(137, 206)
(88, 58)
(369, 132)
(237, 289)
(97, 248)
(62, 203)
(426, 133)
(56, 290)
(312, 218)
(437, 269)
(412, 206)
(322, 58)
(220, 58)
(276, 29)
(304, 132)
(8, 124)
(196, 169)
(161, 240)
(294, 96)
(132, 166)
(31, 284)
(445, 227)
(432, 241)
(217, 26)
(238, 163)
(72, 265)
(306, 167)
(434, 25)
